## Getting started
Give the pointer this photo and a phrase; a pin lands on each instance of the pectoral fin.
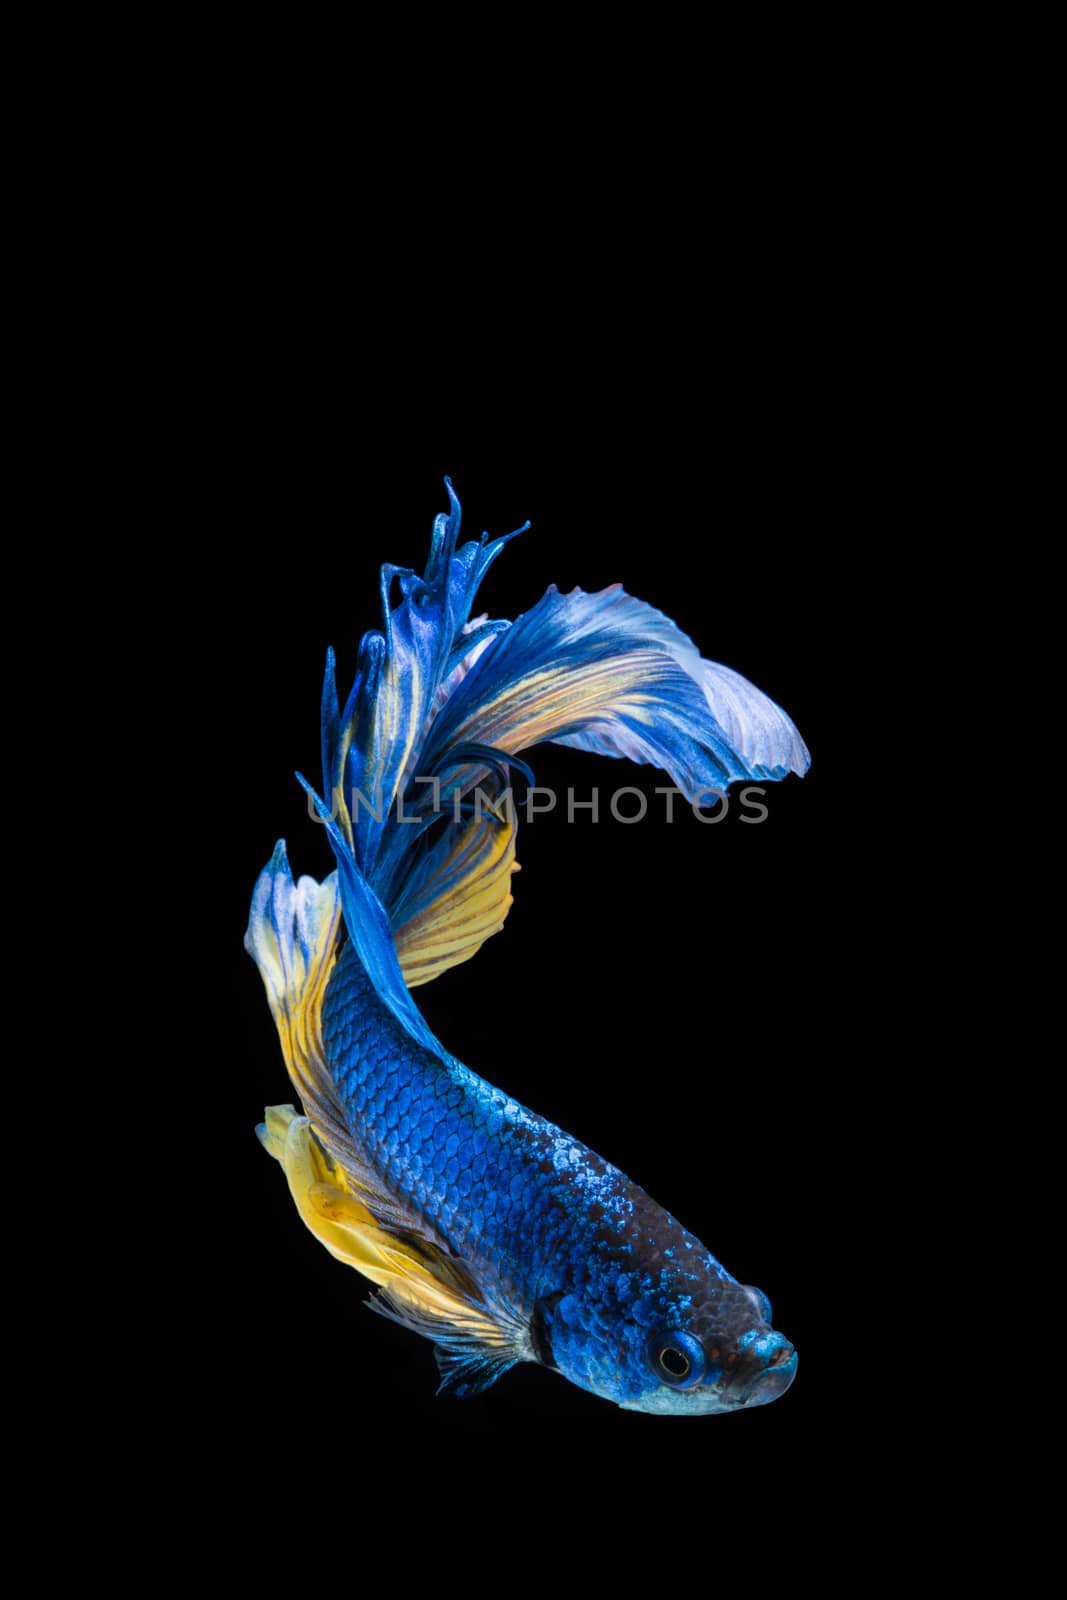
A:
(469, 1368)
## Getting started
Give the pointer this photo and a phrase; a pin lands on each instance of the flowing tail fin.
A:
(442, 707)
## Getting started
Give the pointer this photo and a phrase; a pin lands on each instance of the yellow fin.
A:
(462, 903)
(407, 1270)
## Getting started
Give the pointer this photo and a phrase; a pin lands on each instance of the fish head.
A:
(697, 1376)
(671, 1357)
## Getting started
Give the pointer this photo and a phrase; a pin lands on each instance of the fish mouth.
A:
(769, 1383)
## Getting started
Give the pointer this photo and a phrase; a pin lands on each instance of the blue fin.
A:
(373, 747)
(442, 705)
(607, 673)
(469, 1370)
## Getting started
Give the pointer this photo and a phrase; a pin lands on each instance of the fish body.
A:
(485, 1227)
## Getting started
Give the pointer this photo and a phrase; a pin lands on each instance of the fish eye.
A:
(674, 1363)
(677, 1359)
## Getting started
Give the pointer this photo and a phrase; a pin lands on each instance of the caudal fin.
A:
(441, 709)
(437, 718)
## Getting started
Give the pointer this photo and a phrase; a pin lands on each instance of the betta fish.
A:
(485, 1228)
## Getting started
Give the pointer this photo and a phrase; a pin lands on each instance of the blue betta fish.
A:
(486, 1228)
